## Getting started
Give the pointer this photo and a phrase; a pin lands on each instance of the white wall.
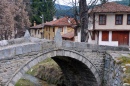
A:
(109, 42)
(65, 30)
(90, 23)
(110, 23)
(32, 31)
(129, 38)
(78, 37)
(90, 41)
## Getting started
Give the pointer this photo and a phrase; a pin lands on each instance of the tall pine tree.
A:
(42, 7)
(103, 1)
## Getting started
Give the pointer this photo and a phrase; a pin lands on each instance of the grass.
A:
(33, 71)
(127, 69)
(48, 63)
(126, 60)
(127, 78)
(24, 82)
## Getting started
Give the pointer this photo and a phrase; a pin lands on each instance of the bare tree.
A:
(6, 21)
(21, 18)
(13, 19)
(83, 13)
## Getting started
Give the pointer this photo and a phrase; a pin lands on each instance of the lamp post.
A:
(42, 26)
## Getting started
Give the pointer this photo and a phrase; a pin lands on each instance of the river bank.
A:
(46, 73)
(29, 80)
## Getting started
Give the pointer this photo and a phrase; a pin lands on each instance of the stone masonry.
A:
(17, 56)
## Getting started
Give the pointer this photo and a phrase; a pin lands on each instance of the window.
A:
(105, 35)
(53, 29)
(35, 32)
(38, 31)
(118, 19)
(0, 19)
(102, 19)
(49, 36)
(49, 29)
(128, 19)
(115, 35)
(93, 35)
(61, 29)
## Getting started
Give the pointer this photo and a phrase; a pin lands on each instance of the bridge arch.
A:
(56, 53)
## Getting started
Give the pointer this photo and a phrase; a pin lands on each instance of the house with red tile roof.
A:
(109, 24)
(37, 30)
(64, 24)
(50, 28)
(68, 36)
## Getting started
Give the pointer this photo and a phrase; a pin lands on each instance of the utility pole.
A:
(42, 26)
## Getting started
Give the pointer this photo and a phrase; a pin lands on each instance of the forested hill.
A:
(123, 2)
(63, 10)
(63, 7)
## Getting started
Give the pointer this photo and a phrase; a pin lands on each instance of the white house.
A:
(109, 24)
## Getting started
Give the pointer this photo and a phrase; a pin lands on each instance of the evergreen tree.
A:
(103, 1)
(129, 3)
(42, 7)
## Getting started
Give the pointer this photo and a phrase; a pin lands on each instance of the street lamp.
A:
(42, 25)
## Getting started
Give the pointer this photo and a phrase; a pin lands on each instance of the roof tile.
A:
(68, 35)
(111, 7)
(65, 21)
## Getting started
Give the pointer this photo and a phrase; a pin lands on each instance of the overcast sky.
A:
(69, 2)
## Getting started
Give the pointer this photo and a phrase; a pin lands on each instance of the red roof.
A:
(65, 21)
(111, 7)
(37, 26)
(68, 35)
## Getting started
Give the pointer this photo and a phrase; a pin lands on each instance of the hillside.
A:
(63, 10)
(123, 2)
(63, 7)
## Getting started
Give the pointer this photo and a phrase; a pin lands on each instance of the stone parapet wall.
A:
(93, 47)
(113, 73)
(19, 46)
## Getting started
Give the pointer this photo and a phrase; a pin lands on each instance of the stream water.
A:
(36, 81)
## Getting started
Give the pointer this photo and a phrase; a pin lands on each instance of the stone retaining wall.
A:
(113, 73)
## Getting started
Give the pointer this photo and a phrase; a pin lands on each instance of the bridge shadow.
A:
(75, 72)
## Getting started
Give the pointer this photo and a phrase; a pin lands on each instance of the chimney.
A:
(69, 20)
(54, 18)
(34, 24)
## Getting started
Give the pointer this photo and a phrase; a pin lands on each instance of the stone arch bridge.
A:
(82, 64)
